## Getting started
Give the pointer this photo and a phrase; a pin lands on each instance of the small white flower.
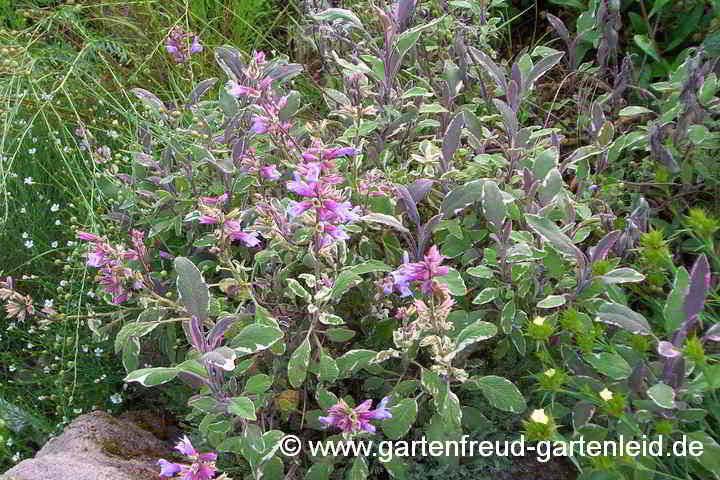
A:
(550, 372)
(606, 395)
(539, 320)
(12, 368)
(63, 283)
(77, 411)
(55, 207)
(32, 151)
(85, 348)
(46, 370)
(29, 244)
(48, 303)
(28, 181)
(58, 222)
(116, 398)
(91, 294)
(98, 351)
(25, 235)
(16, 457)
(538, 416)
(54, 244)
(23, 210)
(9, 442)
(30, 345)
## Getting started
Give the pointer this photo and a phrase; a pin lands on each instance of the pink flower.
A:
(356, 419)
(270, 172)
(423, 272)
(202, 468)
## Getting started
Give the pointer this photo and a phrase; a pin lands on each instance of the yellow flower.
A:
(539, 320)
(550, 372)
(606, 395)
(539, 416)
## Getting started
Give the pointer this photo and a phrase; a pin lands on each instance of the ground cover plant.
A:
(451, 244)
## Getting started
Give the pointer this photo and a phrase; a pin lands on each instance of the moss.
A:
(128, 451)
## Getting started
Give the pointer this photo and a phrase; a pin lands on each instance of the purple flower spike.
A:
(270, 172)
(168, 469)
(423, 272)
(202, 468)
(356, 419)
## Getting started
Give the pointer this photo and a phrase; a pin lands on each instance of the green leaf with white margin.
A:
(298, 364)
(131, 354)
(493, 205)
(255, 337)
(663, 395)
(344, 282)
(388, 220)
(486, 295)
(370, 266)
(406, 40)
(623, 275)
(258, 384)
(222, 357)
(610, 364)
(473, 333)
(454, 281)
(333, 14)
(450, 408)
(330, 319)
(622, 316)
(359, 470)
(354, 360)
(243, 407)
(192, 289)
(149, 377)
(404, 414)
(552, 301)
(432, 382)
(547, 229)
(298, 289)
(327, 368)
(500, 392)
(674, 311)
(633, 111)
(147, 321)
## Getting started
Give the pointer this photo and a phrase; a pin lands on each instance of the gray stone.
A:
(96, 446)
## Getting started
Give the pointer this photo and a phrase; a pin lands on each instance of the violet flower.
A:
(356, 419)
(423, 272)
(176, 44)
(202, 467)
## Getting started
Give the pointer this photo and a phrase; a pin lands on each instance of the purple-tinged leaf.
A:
(600, 251)
(473, 124)
(582, 413)
(559, 27)
(215, 336)
(673, 310)
(698, 290)
(461, 197)
(409, 203)
(541, 68)
(674, 371)
(636, 380)
(195, 335)
(193, 380)
(424, 234)
(149, 99)
(228, 59)
(527, 179)
(509, 118)
(490, 67)
(284, 72)
(623, 317)
(517, 77)
(200, 89)
(713, 333)
(451, 140)
(668, 350)
(403, 14)
(420, 188)
(493, 205)
(145, 160)
(513, 95)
